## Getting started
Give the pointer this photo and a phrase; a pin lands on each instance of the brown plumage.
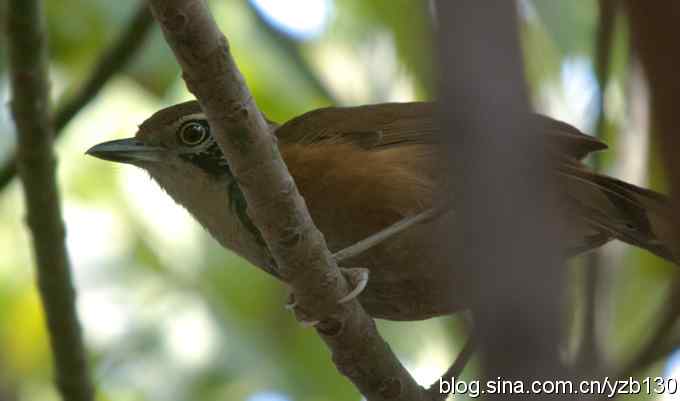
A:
(363, 168)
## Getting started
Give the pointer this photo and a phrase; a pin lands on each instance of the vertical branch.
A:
(655, 29)
(503, 192)
(654, 32)
(107, 65)
(36, 166)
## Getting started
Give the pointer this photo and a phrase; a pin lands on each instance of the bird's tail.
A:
(614, 208)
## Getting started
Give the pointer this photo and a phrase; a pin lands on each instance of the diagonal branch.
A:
(293, 52)
(108, 64)
(36, 167)
(656, 345)
(275, 206)
(454, 372)
(660, 343)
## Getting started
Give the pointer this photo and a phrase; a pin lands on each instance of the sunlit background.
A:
(167, 313)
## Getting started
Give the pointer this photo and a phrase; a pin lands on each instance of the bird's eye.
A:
(193, 133)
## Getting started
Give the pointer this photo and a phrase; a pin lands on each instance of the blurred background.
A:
(168, 314)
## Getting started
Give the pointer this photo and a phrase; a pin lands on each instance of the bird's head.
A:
(176, 148)
(173, 139)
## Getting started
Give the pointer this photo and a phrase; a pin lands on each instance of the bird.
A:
(361, 169)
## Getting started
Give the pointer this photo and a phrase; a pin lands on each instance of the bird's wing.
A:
(370, 126)
(393, 124)
(566, 138)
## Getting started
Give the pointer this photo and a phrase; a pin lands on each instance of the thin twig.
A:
(294, 54)
(36, 167)
(656, 346)
(107, 65)
(653, 31)
(455, 370)
(275, 205)
(386, 233)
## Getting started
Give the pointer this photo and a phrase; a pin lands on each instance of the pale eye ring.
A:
(193, 133)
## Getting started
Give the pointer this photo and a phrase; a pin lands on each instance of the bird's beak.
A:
(128, 150)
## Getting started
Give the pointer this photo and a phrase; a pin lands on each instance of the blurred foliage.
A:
(575, 37)
(95, 25)
(167, 313)
(409, 24)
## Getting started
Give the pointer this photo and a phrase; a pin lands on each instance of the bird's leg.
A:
(358, 276)
(388, 232)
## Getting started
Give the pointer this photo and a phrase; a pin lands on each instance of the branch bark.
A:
(275, 205)
(506, 232)
(108, 64)
(654, 30)
(36, 167)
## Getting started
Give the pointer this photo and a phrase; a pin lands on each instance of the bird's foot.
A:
(291, 305)
(357, 278)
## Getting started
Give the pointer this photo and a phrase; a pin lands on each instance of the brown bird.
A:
(361, 169)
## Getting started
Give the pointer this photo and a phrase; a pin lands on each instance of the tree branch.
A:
(654, 30)
(506, 237)
(455, 370)
(275, 205)
(36, 167)
(295, 56)
(108, 64)
(657, 343)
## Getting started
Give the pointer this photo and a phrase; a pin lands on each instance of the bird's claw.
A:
(291, 304)
(309, 323)
(358, 279)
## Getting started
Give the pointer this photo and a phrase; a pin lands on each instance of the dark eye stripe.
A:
(209, 160)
